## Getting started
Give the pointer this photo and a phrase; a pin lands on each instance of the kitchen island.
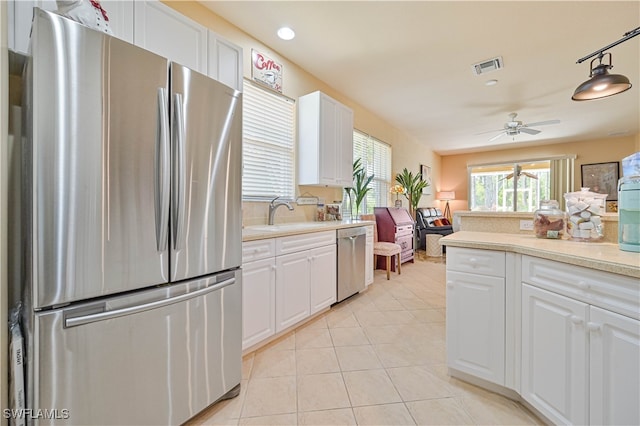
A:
(552, 323)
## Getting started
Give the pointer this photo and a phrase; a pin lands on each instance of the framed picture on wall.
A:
(602, 178)
(426, 175)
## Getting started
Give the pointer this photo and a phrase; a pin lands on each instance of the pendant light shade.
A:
(601, 84)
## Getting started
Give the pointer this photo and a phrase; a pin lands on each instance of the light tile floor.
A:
(378, 358)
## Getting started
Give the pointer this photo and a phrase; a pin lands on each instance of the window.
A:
(376, 159)
(518, 186)
(267, 145)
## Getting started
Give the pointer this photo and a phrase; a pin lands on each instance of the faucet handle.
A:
(273, 201)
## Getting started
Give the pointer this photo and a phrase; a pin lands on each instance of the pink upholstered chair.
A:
(381, 248)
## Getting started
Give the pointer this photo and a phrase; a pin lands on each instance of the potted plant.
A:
(360, 186)
(413, 185)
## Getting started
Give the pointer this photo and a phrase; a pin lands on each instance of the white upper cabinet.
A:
(325, 141)
(224, 61)
(164, 31)
(20, 16)
(120, 15)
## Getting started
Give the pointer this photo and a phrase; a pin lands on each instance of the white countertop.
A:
(261, 232)
(602, 256)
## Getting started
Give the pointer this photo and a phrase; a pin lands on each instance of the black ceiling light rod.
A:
(601, 84)
(627, 36)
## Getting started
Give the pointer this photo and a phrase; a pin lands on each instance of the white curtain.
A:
(561, 178)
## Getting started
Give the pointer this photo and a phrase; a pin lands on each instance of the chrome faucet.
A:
(273, 206)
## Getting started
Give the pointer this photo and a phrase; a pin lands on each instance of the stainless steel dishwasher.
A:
(351, 261)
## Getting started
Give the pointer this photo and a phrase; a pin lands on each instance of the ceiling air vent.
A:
(487, 66)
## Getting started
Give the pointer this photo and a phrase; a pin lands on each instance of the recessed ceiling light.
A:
(286, 33)
(491, 82)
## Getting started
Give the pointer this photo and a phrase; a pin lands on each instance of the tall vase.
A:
(398, 202)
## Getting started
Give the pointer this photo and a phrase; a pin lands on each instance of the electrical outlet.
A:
(526, 225)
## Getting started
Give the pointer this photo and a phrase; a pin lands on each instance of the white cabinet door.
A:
(323, 278)
(328, 167)
(224, 61)
(344, 148)
(475, 325)
(368, 264)
(554, 355)
(19, 19)
(258, 301)
(614, 392)
(292, 289)
(120, 15)
(164, 31)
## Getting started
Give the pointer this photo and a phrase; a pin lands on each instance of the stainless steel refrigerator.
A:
(132, 242)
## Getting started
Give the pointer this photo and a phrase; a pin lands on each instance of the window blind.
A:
(267, 144)
(376, 159)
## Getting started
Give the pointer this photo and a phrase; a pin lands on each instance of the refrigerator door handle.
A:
(130, 310)
(162, 180)
(179, 167)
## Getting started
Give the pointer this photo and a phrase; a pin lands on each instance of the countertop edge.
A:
(249, 233)
(605, 256)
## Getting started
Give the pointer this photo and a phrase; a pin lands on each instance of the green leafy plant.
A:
(361, 183)
(414, 185)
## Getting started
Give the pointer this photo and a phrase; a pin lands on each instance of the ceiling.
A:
(409, 62)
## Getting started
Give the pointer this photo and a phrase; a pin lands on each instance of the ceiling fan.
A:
(520, 173)
(513, 127)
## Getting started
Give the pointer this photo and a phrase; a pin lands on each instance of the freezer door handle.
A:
(179, 169)
(130, 310)
(162, 180)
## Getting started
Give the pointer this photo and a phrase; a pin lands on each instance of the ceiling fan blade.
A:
(499, 135)
(542, 123)
(531, 175)
(488, 131)
(529, 131)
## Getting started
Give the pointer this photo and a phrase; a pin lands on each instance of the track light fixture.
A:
(602, 84)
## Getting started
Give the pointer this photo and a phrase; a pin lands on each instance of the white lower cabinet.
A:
(286, 280)
(258, 301)
(323, 283)
(554, 355)
(614, 360)
(292, 289)
(580, 343)
(476, 312)
(475, 325)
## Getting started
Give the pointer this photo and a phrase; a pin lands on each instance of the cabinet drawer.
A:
(294, 243)
(404, 230)
(617, 293)
(259, 249)
(483, 262)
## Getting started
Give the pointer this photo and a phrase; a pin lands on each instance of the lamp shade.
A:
(446, 195)
(601, 85)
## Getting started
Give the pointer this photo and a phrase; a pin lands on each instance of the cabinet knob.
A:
(576, 319)
(473, 261)
(450, 284)
(593, 327)
(274, 267)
